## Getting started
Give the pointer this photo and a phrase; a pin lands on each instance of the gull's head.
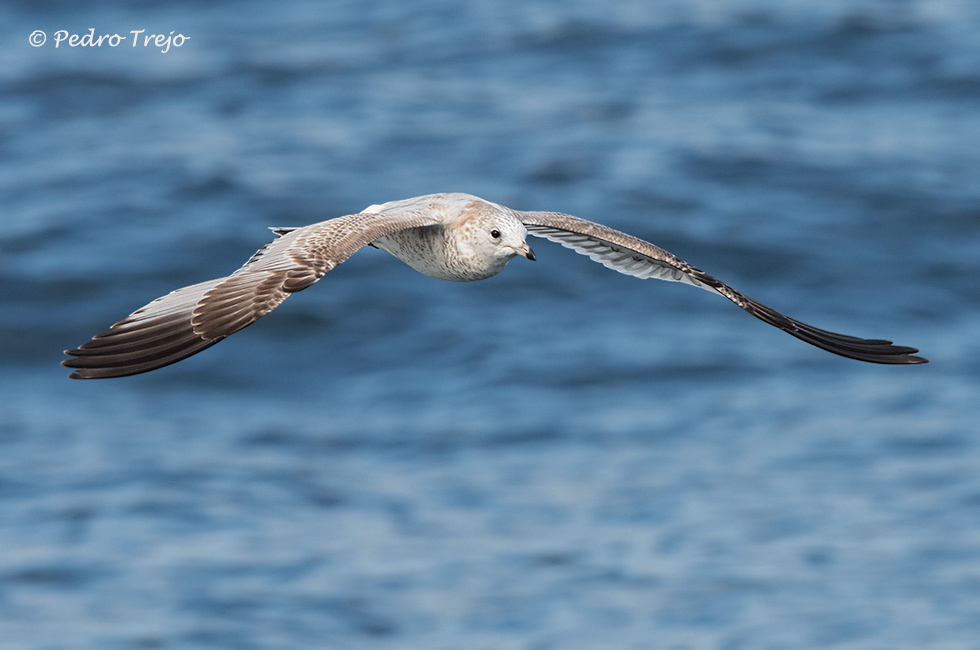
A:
(481, 237)
(500, 236)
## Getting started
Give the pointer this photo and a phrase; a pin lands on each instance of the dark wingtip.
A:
(124, 357)
(869, 350)
(909, 358)
(889, 353)
(75, 364)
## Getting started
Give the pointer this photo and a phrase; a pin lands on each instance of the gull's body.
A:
(454, 237)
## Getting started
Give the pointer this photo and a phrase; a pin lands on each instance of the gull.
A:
(456, 237)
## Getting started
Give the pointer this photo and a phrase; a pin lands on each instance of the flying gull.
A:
(454, 237)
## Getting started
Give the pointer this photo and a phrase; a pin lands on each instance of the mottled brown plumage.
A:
(454, 237)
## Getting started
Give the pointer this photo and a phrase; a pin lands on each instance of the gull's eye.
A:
(495, 233)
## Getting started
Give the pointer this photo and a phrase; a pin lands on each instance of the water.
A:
(558, 457)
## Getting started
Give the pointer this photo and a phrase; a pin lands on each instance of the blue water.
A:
(557, 457)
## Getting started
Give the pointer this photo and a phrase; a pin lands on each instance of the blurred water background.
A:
(560, 456)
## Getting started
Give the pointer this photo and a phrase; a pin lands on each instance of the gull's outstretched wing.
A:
(632, 256)
(193, 318)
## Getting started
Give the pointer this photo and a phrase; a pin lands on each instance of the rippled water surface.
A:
(557, 457)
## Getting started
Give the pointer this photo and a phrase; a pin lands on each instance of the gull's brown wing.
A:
(632, 256)
(193, 318)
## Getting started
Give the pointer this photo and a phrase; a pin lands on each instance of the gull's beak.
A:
(526, 251)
